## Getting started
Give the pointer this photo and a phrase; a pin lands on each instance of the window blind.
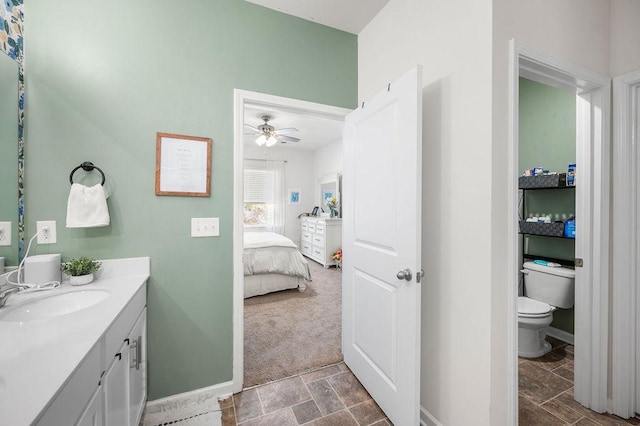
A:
(258, 186)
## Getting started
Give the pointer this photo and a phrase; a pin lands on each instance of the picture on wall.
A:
(183, 165)
(294, 196)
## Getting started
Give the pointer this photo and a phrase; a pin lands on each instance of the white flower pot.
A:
(81, 279)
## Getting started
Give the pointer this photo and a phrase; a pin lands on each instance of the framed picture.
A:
(183, 165)
(294, 196)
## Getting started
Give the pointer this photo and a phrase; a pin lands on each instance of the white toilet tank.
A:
(554, 286)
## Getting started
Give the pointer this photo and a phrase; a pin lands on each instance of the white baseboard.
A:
(426, 419)
(560, 335)
(197, 396)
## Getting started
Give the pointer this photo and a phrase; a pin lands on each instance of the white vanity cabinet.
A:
(115, 382)
(138, 369)
(109, 387)
(320, 238)
(94, 412)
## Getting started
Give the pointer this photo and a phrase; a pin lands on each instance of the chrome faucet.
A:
(4, 294)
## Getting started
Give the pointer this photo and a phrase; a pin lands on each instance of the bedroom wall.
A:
(102, 79)
(327, 160)
(297, 176)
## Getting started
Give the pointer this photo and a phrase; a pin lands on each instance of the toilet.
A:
(546, 289)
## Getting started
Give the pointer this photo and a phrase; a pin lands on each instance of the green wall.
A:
(547, 138)
(102, 78)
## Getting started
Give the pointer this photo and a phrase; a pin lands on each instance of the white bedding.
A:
(266, 239)
(270, 253)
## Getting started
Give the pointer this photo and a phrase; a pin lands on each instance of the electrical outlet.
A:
(46, 231)
(5, 233)
(205, 227)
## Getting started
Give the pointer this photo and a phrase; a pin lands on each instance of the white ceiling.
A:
(314, 132)
(346, 15)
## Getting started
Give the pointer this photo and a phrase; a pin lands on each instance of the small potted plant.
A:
(81, 270)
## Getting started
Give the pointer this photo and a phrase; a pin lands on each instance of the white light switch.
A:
(5, 233)
(205, 227)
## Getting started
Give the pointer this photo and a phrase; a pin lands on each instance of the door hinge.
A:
(579, 262)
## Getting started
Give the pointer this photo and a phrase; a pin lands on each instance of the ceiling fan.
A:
(269, 135)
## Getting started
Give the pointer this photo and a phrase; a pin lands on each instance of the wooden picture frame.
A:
(183, 165)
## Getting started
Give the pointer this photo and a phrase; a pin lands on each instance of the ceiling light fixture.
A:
(271, 140)
(269, 136)
(266, 139)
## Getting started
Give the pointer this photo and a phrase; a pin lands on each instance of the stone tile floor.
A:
(545, 392)
(328, 396)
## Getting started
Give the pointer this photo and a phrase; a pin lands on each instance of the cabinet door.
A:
(93, 414)
(74, 397)
(138, 368)
(116, 389)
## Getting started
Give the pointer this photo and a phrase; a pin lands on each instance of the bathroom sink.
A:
(53, 306)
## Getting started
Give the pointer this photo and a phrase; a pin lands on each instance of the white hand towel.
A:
(87, 206)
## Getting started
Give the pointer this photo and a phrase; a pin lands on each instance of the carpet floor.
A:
(291, 332)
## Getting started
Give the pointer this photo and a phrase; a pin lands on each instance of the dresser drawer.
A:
(318, 240)
(318, 253)
(307, 237)
(320, 227)
(311, 227)
(305, 248)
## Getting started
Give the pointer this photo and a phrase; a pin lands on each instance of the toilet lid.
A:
(530, 307)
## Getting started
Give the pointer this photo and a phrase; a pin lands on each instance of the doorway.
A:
(242, 100)
(625, 380)
(592, 207)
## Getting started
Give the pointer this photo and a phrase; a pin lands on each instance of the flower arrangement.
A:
(81, 266)
(337, 256)
(332, 203)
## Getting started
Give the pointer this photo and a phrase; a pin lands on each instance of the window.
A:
(264, 195)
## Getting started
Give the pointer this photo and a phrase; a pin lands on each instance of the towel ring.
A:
(87, 166)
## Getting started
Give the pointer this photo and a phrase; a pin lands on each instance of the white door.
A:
(381, 216)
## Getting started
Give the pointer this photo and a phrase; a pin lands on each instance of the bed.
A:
(272, 262)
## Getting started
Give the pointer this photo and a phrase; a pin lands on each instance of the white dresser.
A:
(321, 237)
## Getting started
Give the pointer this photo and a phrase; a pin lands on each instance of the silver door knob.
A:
(405, 275)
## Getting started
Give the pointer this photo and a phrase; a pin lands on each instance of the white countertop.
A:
(37, 358)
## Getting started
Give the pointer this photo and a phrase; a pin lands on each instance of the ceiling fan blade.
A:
(253, 128)
(285, 139)
(286, 131)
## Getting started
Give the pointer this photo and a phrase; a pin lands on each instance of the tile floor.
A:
(329, 396)
(545, 392)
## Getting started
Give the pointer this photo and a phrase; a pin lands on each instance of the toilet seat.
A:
(530, 308)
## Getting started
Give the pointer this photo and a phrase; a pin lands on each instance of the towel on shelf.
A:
(87, 206)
